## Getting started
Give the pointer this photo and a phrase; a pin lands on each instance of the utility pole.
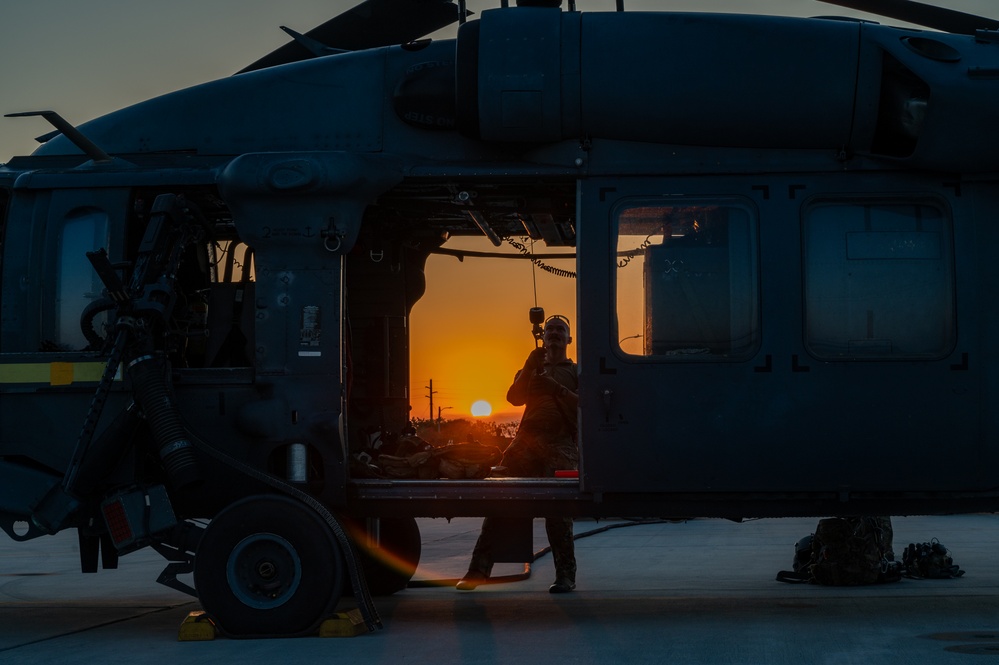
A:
(431, 396)
(439, 409)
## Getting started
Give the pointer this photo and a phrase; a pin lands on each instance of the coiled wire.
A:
(552, 270)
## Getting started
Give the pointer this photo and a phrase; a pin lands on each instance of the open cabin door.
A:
(777, 334)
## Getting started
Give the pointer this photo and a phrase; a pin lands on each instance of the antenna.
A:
(88, 147)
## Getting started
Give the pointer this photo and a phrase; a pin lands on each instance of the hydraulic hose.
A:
(174, 447)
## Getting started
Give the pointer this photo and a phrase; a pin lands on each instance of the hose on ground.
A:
(520, 577)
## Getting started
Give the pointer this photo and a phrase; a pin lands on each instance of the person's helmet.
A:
(803, 553)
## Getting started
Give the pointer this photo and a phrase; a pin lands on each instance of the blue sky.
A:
(85, 59)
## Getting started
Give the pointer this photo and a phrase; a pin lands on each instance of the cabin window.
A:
(687, 280)
(878, 280)
(76, 283)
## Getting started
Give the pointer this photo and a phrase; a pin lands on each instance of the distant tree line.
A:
(461, 430)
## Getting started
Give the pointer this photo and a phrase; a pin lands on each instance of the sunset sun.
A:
(481, 408)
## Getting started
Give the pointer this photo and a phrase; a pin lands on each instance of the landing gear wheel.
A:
(390, 563)
(268, 565)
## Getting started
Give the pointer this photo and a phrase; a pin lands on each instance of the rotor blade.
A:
(368, 25)
(919, 13)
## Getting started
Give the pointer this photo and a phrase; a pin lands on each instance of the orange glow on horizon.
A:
(470, 332)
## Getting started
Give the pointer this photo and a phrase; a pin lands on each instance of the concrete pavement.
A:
(701, 591)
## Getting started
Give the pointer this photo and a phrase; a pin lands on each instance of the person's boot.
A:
(472, 579)
(562, 584)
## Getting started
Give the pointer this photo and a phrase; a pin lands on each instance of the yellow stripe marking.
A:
(55, 373)
(61, 374)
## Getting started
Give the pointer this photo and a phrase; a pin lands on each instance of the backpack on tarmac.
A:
(845, 551)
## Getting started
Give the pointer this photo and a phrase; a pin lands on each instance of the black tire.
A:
(268, 565)
(389, 565)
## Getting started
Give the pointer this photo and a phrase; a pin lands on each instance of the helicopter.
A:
(205, 295)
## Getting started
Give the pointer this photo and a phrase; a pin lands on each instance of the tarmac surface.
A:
(700, 591)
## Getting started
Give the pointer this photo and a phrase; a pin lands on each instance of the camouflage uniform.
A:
(545, 442)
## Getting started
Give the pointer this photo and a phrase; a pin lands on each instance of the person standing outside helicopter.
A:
(545, 441)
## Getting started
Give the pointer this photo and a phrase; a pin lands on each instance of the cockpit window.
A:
(687, 280)
(76, 284)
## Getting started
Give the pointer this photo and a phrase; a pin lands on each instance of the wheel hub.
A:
(264, 571)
